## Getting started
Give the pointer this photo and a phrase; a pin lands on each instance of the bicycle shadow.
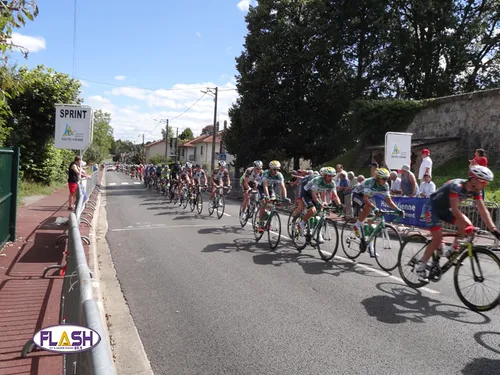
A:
(239, 244)
(279, 258)
(402, 304)
(492, 343)
(482, 366)
(337, 267)
(233, 229)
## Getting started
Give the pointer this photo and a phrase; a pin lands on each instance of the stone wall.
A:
(474, 117)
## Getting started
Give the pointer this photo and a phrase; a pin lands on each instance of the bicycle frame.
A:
(380, 226)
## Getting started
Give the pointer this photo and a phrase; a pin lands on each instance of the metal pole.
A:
(143, 150)
(176, 145)
(214, 129)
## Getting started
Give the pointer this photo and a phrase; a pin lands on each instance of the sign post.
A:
(397, 149)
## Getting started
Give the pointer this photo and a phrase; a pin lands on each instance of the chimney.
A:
(225, 124)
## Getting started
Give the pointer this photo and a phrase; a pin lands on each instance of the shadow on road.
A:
(482, 366)
(402, 304)
(316, 266)
(489, 340)
(233, 229)
(239, 244)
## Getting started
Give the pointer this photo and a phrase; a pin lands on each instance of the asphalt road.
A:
(207, 300)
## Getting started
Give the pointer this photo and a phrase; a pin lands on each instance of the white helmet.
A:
(189, 165)
(222, 163)
(327, 171)
(257, 164)
(482, 173)
(275, 164)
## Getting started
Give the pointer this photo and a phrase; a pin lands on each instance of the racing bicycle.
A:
(272, 222)
(218, 203)
(468, 254)
(252, 205)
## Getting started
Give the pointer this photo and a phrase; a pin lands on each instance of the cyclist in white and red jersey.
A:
(185, 176)
(249, 181)
(218, 177)
(198, 174)
(445, 206)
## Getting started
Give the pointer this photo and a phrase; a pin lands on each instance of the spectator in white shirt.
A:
(426, 165)
(427, 187)
(395, 183)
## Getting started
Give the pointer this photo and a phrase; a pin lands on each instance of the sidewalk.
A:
(27, 301)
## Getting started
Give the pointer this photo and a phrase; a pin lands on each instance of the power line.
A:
(146, 88)
(176, 117)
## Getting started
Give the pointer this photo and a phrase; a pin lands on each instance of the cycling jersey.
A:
(186, 172)
(218, 174)
(370, 187)
(158, 171)
(198, 174)
(318, 184)
(165, 172)
(252, 174)
(272, 180)
(452, 189)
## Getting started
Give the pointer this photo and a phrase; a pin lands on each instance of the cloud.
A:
(99, 99)
(84, 83)
(244, 5)
(139, 108)
(31, 43)
(198, 34)
(120, 78)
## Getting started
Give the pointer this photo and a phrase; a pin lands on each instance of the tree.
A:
(31, 124)
(157, 159)
(170, 134)
(102, 142)
(207, 130)
(186, 135)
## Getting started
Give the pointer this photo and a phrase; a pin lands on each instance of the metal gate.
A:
(9, 173)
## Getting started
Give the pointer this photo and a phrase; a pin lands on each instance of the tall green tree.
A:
(186, 135)
(31, 124)
(102, 142)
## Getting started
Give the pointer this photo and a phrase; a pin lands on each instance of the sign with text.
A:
(397, 149)
(74, 126)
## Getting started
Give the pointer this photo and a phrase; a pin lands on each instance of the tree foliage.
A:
(207, 130)
(306, 65)
(102, 142)
(186, 135)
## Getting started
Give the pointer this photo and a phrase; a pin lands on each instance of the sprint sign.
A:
(74, 126)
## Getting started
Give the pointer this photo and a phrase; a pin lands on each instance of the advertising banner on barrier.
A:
(397, 149)
(415, 210)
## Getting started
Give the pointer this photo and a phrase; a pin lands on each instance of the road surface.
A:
(206, 299)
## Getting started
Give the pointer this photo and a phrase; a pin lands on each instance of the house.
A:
(199, 150)
(158, 148)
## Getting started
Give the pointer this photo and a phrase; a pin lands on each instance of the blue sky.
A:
(185, 45)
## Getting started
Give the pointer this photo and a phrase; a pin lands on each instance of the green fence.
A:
(9, 172)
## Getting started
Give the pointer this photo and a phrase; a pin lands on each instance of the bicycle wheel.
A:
(411, 252)
(350, 243)
(387, 251)
(221, 206)
(255, 226)
(243, 221)
(289, 224)
(274, 230)
(488, 268)
(192, 202)
(327, 238)
(199, 203)
(298, 239)
(211, 206)
(184, 199)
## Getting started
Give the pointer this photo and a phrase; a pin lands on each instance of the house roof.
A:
(421, 142)
(200, 139)
(153, 143)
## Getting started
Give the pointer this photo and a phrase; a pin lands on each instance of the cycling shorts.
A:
(307, 198)
(434, 216)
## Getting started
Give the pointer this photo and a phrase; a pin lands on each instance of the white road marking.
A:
(112, 184)
(163, 226)
(227, 214)
(124, 183)
(137, 183)
(379, 272)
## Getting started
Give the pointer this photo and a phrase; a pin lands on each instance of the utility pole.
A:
(176, 143)
(143, 150)
(166, 142)
(215, 94)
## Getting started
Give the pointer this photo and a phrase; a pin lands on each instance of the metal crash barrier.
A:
(78, 305)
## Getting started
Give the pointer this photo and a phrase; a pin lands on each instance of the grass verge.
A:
(30, 188)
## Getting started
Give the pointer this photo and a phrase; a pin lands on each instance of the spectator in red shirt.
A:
(479, 159)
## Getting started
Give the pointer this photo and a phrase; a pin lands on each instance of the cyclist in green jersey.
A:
(374, 186)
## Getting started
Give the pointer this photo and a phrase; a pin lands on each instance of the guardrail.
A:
(78, 305)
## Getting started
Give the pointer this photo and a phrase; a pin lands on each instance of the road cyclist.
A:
(218, 178)
(248, 182)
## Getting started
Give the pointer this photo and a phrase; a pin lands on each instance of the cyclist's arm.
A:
(391, 203)
(413, 181)
(245, 182)
(336, 198)
(485, 215)
(367, 201)
(228, 180)
(455, 208)
(283, 190)
(264, 187)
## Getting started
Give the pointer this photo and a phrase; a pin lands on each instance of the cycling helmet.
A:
(382, 173)
(481, 173)
(197, 165)
(258, 164)
(327, 171)
(222, 163)
(275, 164)
(310, 172)
(189, 165)
(315, 173)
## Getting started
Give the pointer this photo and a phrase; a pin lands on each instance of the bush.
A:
(52, 168)
(157, 159)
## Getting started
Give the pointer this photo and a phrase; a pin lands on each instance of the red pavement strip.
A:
(28, 302)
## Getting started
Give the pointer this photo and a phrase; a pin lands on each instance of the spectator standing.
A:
(339, 168)
(348, 197)
(395, 183)
(427, 187)
(409, 185)
(342, 186)
(74, 172)
(479, 159)
(425, 165)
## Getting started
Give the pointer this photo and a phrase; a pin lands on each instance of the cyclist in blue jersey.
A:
(445, 206)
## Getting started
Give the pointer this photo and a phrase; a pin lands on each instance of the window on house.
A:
(201, 151)
(182, 152)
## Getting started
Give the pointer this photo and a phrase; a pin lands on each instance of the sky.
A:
(142, 62)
